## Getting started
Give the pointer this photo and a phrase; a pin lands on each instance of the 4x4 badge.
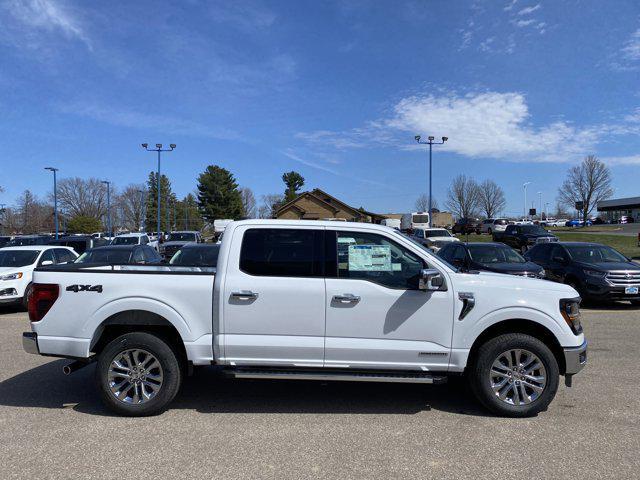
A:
(84, 288)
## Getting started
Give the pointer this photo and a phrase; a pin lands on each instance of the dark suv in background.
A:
(523, 237)
(467, 225)
(596, 271)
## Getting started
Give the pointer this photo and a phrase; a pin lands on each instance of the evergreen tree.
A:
(294, 182)
(167, 198)
(218, 195)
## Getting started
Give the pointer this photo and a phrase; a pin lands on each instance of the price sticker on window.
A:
(370, 258)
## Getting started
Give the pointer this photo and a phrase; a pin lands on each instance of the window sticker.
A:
(396, 267)
(370, 258)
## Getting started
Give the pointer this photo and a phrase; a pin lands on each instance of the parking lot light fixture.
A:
(540, 202)
(431, 143)
(158, 149)
(524, 185)
(55, 198)
(108, 184)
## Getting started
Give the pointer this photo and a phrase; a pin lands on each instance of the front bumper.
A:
(575, 358)
(30, 343)
(604, 291)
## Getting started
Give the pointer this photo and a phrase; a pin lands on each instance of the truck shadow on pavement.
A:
(210, 392)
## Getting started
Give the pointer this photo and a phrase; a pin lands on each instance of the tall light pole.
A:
(108, 184)
(540, 201)
(524, 185)
(546, 210)
(2, 205)
(55, 197)
(158, 149)
(431, 143)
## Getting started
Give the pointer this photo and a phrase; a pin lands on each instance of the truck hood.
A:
(442, 239)
(512, 267)
(611, 266)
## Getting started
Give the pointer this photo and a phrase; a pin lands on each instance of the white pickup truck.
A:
(312, 300)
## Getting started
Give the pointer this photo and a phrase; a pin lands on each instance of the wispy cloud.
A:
(510, 5)
(133, 119)
(480, 125)
(631, 49)
(248, 15)
(34, 17)
(528, 10)
(624, 160)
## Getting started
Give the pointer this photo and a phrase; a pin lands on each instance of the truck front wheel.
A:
(138, 374)
(514, 375)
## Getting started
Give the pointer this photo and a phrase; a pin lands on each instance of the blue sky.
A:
(335, 90)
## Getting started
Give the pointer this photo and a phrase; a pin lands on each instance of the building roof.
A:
(618, 203)
(327, 200)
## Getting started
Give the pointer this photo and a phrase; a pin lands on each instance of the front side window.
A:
(373, 257)
(280, 252)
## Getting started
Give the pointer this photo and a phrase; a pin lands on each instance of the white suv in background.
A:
(135, 239)
(491, 225)
(17, 265)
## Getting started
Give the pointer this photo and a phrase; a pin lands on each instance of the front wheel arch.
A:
(527, 327)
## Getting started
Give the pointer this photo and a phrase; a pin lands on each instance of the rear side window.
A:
(279, 252)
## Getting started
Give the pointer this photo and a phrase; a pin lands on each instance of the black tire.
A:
(490, 232)
(25, 297)
(171, 373)
(480, 378)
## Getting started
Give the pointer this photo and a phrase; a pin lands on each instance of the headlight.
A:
(570, 309)
(594, 273)
(12, 276)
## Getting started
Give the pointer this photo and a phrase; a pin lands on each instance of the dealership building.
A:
(616, 208)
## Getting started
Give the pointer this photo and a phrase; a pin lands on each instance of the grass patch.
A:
(626, 245)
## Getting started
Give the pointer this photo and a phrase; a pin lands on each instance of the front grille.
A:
(624, 278)
(546, 239)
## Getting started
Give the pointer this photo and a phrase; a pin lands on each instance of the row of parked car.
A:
(20, 256)
(598, 272)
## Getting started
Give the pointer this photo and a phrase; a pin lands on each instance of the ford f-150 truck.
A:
(312, 300)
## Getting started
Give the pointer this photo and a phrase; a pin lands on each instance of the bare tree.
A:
(270, 204)
(248, 202)
(463, 196)
(35, 216)
(422, 203)
(491, 198)
(130, 204)
(78, 196)
(589, 183)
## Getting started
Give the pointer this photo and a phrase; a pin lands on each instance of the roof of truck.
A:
(308, 223)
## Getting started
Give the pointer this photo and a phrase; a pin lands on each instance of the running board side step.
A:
(339, 376)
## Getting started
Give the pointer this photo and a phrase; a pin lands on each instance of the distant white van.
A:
(420, 220)
(392, 222)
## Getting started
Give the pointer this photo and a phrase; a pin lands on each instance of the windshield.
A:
(420, 219)
(106, 255)
(181, 237)
(533, 229)
(489, 254)
(436, 233)
(595, 254)
(125, 241)
(200, 256)
(17, 258)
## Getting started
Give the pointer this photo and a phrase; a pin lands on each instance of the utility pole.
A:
(108, 184)
(431, 143)
(55, 198)
(524, 185)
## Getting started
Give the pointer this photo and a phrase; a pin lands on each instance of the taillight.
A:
(42, 298)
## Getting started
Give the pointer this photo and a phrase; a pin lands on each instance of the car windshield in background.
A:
(595, 254)
(107, 255)
(17, 258)
(125, 241)
(533, 229)
(181, 237)
(436, 233)
(489, 254)
(200, 256)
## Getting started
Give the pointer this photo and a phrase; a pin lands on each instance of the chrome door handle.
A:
(346, 298)
(244, 295)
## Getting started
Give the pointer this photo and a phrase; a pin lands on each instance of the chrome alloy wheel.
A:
(135, 376)
(518, 377)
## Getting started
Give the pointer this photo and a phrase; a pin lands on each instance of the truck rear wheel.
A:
(515, 375)
(138, 374)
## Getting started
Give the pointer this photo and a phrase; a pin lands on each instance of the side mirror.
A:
(46, 262)
(431, 280)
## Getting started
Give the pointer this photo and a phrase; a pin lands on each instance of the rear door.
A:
(376, 316)
(274, 294)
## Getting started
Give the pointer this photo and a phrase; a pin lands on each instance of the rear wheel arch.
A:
(138, 321)
(526, 327)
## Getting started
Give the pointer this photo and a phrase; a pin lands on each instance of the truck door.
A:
(274, 296)
(377, 318)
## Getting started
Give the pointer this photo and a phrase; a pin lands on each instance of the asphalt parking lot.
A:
(55, 426)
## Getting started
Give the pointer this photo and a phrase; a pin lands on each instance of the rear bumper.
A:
(30, 342)
(575, 358)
